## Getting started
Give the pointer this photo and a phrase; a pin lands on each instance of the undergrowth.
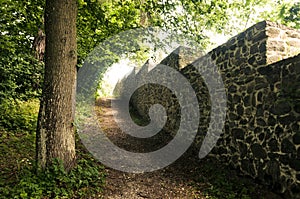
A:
(220, 182)
(18, 176)
(19, 179)
(19, 116)
(85, 180)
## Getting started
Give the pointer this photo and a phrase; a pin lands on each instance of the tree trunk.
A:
(55, 132)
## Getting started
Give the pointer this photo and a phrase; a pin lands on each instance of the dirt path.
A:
(175, 181)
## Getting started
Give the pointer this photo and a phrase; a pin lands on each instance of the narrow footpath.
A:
(180, 180)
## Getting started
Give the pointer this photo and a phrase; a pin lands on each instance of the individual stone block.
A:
(258, 151)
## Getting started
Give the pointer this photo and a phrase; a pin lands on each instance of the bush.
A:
(16, 115)
(86, 179)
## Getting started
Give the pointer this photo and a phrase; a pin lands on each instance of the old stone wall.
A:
(260, 69)
(262, 127)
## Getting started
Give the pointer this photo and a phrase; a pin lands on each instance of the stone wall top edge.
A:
(263, 25)
(294, 59)
(281, 26)
(259, 26)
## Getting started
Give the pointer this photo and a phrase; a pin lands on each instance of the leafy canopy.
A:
(21, 74)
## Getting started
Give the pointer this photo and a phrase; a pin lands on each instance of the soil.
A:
(178, 180)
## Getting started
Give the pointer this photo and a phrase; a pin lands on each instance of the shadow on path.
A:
(188, 177)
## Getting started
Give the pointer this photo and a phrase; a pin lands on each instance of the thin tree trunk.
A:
(55, 132)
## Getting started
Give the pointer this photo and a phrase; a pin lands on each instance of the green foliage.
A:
(19, 116)
(20, 72)
(290, 15)
(16, 151)
(285, 12)
(98, 20)
(18, 176)
(86, 179)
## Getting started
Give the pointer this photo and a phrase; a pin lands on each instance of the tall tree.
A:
(55, 131)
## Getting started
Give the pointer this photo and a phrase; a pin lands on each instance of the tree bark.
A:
(55, 132)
